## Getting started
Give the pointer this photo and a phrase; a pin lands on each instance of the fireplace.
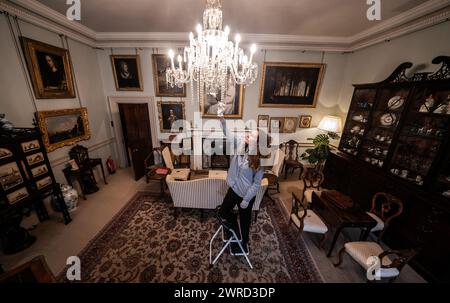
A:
(216, 161)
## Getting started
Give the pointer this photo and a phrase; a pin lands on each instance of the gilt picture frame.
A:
(127, 72)
(234, 103)
(160, 64)
(276, 124)
(305, 121)
(290, 125)
(63, 127)
(169, 112)
(49, 68)
(286, 85)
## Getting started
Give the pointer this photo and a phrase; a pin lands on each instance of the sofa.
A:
(206, 193)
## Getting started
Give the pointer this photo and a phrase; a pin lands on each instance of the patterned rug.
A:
(146, 243)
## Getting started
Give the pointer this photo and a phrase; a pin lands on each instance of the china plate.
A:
(396, 102)
(388, 119)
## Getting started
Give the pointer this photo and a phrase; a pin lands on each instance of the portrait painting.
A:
(127, 72)
(35, 158)
(234, 101)
(290, 124)
(263, 121)
(276, 125)
(30, 146)
(18, 195)
(63, 127)
(305, 121)
(10, 175)
(5, 153)
(169, 112)
(50, 70)
(290, 84)
(161, 63)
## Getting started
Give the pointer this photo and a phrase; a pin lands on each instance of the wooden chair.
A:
(312, 181)
(389, 268)
(273, 174)
(292, 151)
(385, 208)
(81, 156)
(307, 220)
(181, 174)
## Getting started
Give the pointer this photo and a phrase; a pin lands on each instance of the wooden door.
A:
(137, 135)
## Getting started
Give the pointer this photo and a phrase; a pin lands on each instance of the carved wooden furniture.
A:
(390, 268)
(156, 174)
(312, 181)
(273, 174)
(338, 218)
(385, 208)
(426, 215)
(307, 220)
(26, 179)
(292, 160)
(85, 174)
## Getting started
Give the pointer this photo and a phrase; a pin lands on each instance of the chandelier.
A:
(211, 59)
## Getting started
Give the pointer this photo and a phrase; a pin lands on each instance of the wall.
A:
(18, 105)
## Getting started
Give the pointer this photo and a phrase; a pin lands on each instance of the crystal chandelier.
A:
(211, 59)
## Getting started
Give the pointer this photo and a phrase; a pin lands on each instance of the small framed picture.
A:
(290, 124)
(263, 121)
(127, 72)
(35, 158)
(18, 195)
(10, 175)
(161, 63)
(30, 146)
(5, 153)
(276, 125)
(40, 170)
(44, 182)
(169, 112)
(305, 121)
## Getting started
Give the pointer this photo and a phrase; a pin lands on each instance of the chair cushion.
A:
(309, 192)
(361, 251)
(313, 223)
(181, 174)
(380, 223)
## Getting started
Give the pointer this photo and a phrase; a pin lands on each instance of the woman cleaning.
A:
(244, 179)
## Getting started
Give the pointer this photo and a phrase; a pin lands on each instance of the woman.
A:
(244, 179)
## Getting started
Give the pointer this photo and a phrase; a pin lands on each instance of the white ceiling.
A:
(333, 18)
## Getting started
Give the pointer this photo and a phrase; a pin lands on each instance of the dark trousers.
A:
(245, 215)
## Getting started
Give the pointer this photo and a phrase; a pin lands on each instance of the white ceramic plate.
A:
(388, 119)
(396, 102)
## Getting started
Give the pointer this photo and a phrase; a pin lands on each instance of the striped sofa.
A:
(205, 193)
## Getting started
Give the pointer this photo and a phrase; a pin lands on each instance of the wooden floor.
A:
(57, 241)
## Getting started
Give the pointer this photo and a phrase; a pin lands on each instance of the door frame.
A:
(113, 102)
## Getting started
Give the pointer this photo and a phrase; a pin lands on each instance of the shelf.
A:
(421, 136)
(431, 114)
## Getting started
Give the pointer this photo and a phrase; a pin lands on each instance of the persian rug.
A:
(145, 242)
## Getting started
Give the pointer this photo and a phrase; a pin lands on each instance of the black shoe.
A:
(224, 222)
(236, 250)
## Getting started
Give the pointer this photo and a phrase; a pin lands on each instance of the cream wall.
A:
(17, 104)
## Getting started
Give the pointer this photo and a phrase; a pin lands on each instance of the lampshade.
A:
(331, 124)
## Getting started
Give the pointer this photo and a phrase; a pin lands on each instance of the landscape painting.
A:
(63, 127)
(10, 175)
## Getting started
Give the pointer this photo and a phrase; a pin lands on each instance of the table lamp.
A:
(331, 124)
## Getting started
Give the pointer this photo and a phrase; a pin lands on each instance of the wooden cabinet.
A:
(396, 140)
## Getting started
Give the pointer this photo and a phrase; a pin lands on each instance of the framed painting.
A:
(127, 72)
(169, 112)
(305, 121)
(276, 125)
(10, 176)
(50, 70)
(63, 127)
(290, 124)
(263, 121)
(5, 153)
(30, 146)
(234, 102)
(290, 84)
(18, 195)
(162, 89)
(35, 158)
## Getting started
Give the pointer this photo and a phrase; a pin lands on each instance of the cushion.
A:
(218, 174)
(181, 174)
(380, 223)
(312, 222)
(361, 251)
(309, 192)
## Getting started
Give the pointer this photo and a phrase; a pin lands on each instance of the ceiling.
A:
(332, 18)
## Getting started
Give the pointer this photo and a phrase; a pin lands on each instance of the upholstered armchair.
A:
(385, 208)
(273, 174)
(306, 220)
(390, 266)
(177, 173)
(312, 181)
